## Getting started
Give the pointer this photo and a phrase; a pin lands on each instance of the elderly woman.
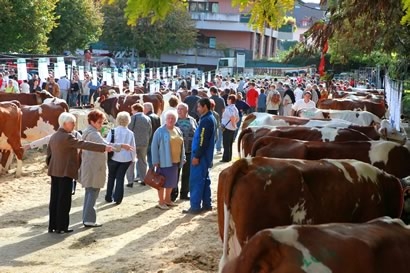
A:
(93, 171)
(168, 154)
(62, 161)
(120, 161)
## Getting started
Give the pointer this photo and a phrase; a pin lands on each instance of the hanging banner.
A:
(73, 63)
(120, 84)
(151, 87)
(116, 80)
(173, 85)
(105, 70)
(164, 72)
(151, 73)
(158, 75)
(124, 75)
(142, 75)
(61, 66)
(193, 81)
(109, 77)
(95, 80)
(174, 71)
(42, 69)
(68, 74)
(56, 71)
(203, 79)
(81, 73)
(209, 76)
(169, 68)
(21, 69)
(136, 79)
(131, 85)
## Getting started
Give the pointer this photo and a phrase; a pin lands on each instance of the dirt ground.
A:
(135, 236)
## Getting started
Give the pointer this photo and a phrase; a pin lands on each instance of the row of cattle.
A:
(29, 117)
(297, 174)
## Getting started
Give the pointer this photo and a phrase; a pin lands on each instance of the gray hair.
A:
(172, 113)
(123, 118)
(183, 104)
(149, 105)
(65, 117)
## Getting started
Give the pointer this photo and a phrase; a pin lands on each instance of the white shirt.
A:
(301, 104)
(25, 88)
(230, 111)
(123, 135)
(298, 93)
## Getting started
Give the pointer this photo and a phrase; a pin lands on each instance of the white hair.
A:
(149, 105)
(172, 113)
(184, 105)
(65, 117)
(123, 118)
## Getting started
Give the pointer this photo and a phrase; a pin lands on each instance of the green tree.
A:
(263, 12)
(79, 23)
(175, 31)
(26, 24)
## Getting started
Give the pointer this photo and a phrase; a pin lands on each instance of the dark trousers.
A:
(116, 177)
(228, 138)
(185, 170)
(273, 112)
(60, 203)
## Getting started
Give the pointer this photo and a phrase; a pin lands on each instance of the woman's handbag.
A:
(154, 179)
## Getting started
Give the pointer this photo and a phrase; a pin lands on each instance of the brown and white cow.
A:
(41, 120)
(113, 105)
(325, 134)
(258, 193)
(379, 246)
(10, 135)
(377, 108)
(386, 155)
(362, 118)
(27, 99)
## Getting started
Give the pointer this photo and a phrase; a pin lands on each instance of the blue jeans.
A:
(200, 186)
(116, 177)
(73, 97)
(218, 144)
(149, 157)
(85, 99)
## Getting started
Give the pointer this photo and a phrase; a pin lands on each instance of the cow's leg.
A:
(9, 159)
(19, 167)
(224, 258)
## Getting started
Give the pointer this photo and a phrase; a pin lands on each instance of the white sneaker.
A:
(163, 207)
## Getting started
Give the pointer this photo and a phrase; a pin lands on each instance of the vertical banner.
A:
(173, 85)
(116, 81)
(142, 75)
(56, 71)
(120, 84)
(61, 66)
(105, 75)
(151, 87)
(109, 77)
(136, 75)
(151, 73)
(209, 76)
(169, 68)
(124, 75)
(42, 69)
(193, 81)
(21, 69)
(164, 72)
(158, 75)
(81, 73)
(95, 80)
(68, 74)
(131, 84)
(174, 71)
(73, 63)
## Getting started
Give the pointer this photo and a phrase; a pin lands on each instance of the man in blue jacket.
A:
(202, 156)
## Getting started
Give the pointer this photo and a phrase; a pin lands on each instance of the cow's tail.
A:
(241, 134)
(65, 107)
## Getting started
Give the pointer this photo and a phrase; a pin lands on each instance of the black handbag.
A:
(110, 154)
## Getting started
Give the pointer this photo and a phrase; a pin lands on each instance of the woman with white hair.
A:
(120, 161)
(168, 154)
(63, 164)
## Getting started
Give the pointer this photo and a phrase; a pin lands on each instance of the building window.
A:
(212, 42)
(200, 6)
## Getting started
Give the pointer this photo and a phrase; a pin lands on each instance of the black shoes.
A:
(191, 211)
(130, 185)
(223, 161)
(64, 231)
(206, 209)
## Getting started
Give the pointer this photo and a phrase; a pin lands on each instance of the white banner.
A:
(104, 79)
(124, 75)
(151, 87)
(151, 73)
(61, 66)
(95, 80)
(158, 75)
(120, 84)
(136, 75)
(109, 77)
(173, 85)
(174, 70)
(203, 79)
(393, 98)
(169, 69)
(68, 74)
(81, 73)
(164, 72)
(42, 69)
(193, 81)
(131, 85)
(21, 69)
(142, 75)
(209, 76)
(56, 71)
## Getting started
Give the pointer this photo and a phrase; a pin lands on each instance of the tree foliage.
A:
(26, 24)
(406, 7)
(175, 31)
(79, 23)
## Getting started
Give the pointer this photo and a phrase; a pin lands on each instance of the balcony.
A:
(221, 17)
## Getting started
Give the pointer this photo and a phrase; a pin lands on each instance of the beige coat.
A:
(62, 155)
(93, 170)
